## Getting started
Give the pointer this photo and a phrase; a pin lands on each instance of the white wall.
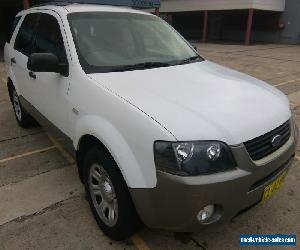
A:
(194, 5)
(276, 5)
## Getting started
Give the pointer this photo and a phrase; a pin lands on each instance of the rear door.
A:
(19, 56)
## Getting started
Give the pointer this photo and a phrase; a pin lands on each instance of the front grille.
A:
(261, 146)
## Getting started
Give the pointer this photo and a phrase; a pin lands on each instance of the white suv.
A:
(160, 134)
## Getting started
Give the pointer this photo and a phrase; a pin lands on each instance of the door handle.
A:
(32, 75)
(13, 60)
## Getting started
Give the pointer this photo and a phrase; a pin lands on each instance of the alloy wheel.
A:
(103, 195)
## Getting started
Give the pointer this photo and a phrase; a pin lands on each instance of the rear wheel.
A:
(108, 195)
(22, 117)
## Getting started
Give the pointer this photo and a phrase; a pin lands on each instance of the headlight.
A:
(193, 158)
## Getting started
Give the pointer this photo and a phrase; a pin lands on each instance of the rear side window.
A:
(15, 23)
(49, 38)
(24, 38)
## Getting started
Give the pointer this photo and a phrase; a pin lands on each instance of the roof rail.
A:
(128, 3)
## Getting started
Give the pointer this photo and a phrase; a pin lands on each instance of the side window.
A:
(48, 38)
(24, 37)
(14, 25)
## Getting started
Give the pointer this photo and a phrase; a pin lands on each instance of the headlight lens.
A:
(193, 158)
(183, 151)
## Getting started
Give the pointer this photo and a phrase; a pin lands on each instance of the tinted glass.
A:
(48, 37)
(23, 41)
(107, 41)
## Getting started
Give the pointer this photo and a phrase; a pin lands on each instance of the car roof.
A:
(72, 8)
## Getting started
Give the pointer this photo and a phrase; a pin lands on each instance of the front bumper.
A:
(176, 201)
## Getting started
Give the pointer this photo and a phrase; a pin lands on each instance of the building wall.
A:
(290, 32)
(194, 5)
(291, 21)
(273, 5)
(284, 27)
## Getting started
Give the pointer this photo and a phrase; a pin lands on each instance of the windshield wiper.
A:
(145, 65)
(191, 59)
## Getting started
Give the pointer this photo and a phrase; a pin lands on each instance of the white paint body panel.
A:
(126, 131)
(196, 5)
(129, 111)
(203, 101)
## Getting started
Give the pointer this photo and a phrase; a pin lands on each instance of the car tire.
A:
(108, 195)
(23, 118)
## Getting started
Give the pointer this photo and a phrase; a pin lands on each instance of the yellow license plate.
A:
(273, 187)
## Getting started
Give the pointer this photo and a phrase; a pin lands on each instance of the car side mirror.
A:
(46, 62)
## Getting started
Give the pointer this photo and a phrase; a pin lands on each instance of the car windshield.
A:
(116, 41)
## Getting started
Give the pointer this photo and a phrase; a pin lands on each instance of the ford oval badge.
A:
(276, 140)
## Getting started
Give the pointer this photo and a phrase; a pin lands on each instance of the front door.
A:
(51, 99)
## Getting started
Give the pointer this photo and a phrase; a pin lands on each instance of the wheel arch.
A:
(85, 143)
(93, 130)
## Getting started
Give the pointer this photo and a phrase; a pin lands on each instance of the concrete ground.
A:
(42, 200)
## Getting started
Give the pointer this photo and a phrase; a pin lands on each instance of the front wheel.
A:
(108, 195)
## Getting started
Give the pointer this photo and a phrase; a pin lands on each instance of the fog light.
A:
(206, 213)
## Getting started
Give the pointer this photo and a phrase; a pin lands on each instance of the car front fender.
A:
(135, 175)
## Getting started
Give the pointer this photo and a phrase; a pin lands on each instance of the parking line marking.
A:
(284, 83)
(2, 102)
(31, 195)
(139, 242)
(64, 153)
(136, 239)
(295, 104)
(3, 80)
(26, 154)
